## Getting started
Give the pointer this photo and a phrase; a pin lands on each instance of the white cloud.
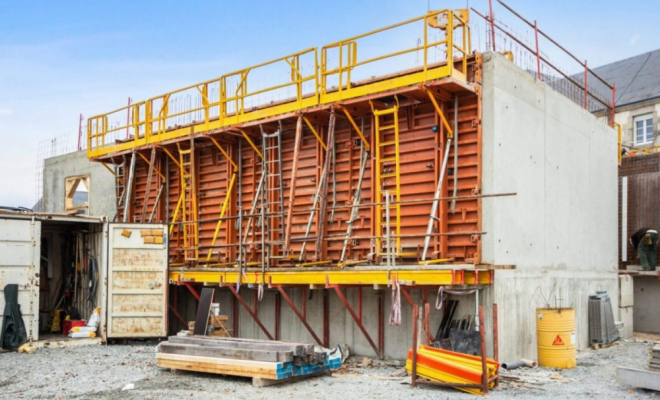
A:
(634, 39)
(6, 111)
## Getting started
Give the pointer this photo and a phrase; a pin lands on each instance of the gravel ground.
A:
(100, 372)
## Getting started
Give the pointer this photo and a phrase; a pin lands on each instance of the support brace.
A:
(358, 320)
(252, 313)
(357, 129)
(301, 315)
(178, 316)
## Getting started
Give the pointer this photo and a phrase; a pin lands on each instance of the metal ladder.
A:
(272, 197)
(385, 139)
(189, 224)
(120, 187)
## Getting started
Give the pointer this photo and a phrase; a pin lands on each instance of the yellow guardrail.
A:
(348, 56)
(290, 83)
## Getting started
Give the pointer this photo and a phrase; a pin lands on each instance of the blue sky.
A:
(62, 58)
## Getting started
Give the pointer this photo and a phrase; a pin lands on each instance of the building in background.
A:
(637, 98)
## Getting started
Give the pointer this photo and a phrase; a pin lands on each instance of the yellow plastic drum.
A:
(555, 335)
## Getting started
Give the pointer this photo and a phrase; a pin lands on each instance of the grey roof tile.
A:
(637, 78)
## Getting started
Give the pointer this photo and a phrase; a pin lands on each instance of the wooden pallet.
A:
(603, 345)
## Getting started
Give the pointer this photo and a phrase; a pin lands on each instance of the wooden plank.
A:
(215, 369)
(221, 361)
(203, 311)
(225, 352)
(309, 348)
(295, 349)
(638, 378)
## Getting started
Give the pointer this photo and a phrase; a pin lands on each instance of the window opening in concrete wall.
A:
(76, 199)
(643, 129)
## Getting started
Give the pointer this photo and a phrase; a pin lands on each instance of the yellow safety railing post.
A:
(225, 205)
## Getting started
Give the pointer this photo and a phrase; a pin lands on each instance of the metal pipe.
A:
(553, 41)
(562, 73)
(436, 200)
(452, 208)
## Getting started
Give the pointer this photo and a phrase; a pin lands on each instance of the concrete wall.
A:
(560, 230)
(398, 339)
(646, 313)
(102, 185)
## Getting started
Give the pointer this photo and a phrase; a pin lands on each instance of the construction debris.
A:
(447, 366)
(265, 361)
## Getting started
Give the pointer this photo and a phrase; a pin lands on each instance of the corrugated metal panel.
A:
(20, 243)
(137, 282)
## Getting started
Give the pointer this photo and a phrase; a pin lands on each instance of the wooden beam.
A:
(225, 352)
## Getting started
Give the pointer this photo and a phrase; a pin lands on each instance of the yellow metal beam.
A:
(357, 129)
(318, 137)
(172, 157)
(225, 205)
(254, 147)
(153, 166)
(113, 172)
(450, 132)
(421, 277)
(224, 152)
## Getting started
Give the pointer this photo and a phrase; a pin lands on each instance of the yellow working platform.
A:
(353, 68)
(377, 275)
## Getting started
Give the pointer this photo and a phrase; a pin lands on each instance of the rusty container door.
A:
(137, 280)
(20, 250)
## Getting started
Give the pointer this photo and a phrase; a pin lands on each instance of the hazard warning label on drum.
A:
(558, 341)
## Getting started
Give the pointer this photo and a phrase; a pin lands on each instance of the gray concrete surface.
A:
(100, 372)
(560, 230)
(102, 184)
(646, 313)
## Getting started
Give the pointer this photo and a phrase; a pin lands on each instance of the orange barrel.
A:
(555, 337)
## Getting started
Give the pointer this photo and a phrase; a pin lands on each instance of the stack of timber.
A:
(263, 360)
(450, 367)
(654, 360)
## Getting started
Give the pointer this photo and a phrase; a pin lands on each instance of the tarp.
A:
(13, 329)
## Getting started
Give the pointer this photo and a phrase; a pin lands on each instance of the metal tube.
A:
(413, 372)
(484, 367)
(434, 207)
(388, 255)
(452, 208)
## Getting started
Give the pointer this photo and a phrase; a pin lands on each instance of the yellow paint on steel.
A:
(172, 157)
(225, 205)
(318, 137)
(113, 172)
(365, 142)
(254, 147)
(424, 277)
(381, 144)
(152, 166)
(618, 128)
(224, 153)
(231, 107)
(450, 132)
(555, 336)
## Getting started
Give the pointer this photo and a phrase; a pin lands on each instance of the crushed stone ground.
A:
(100, 372)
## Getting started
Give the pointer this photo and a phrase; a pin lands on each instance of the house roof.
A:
(637, 78)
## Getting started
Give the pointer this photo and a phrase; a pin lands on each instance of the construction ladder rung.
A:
(390, 159)
(386, 127)
(388, 175)
(390, 143)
